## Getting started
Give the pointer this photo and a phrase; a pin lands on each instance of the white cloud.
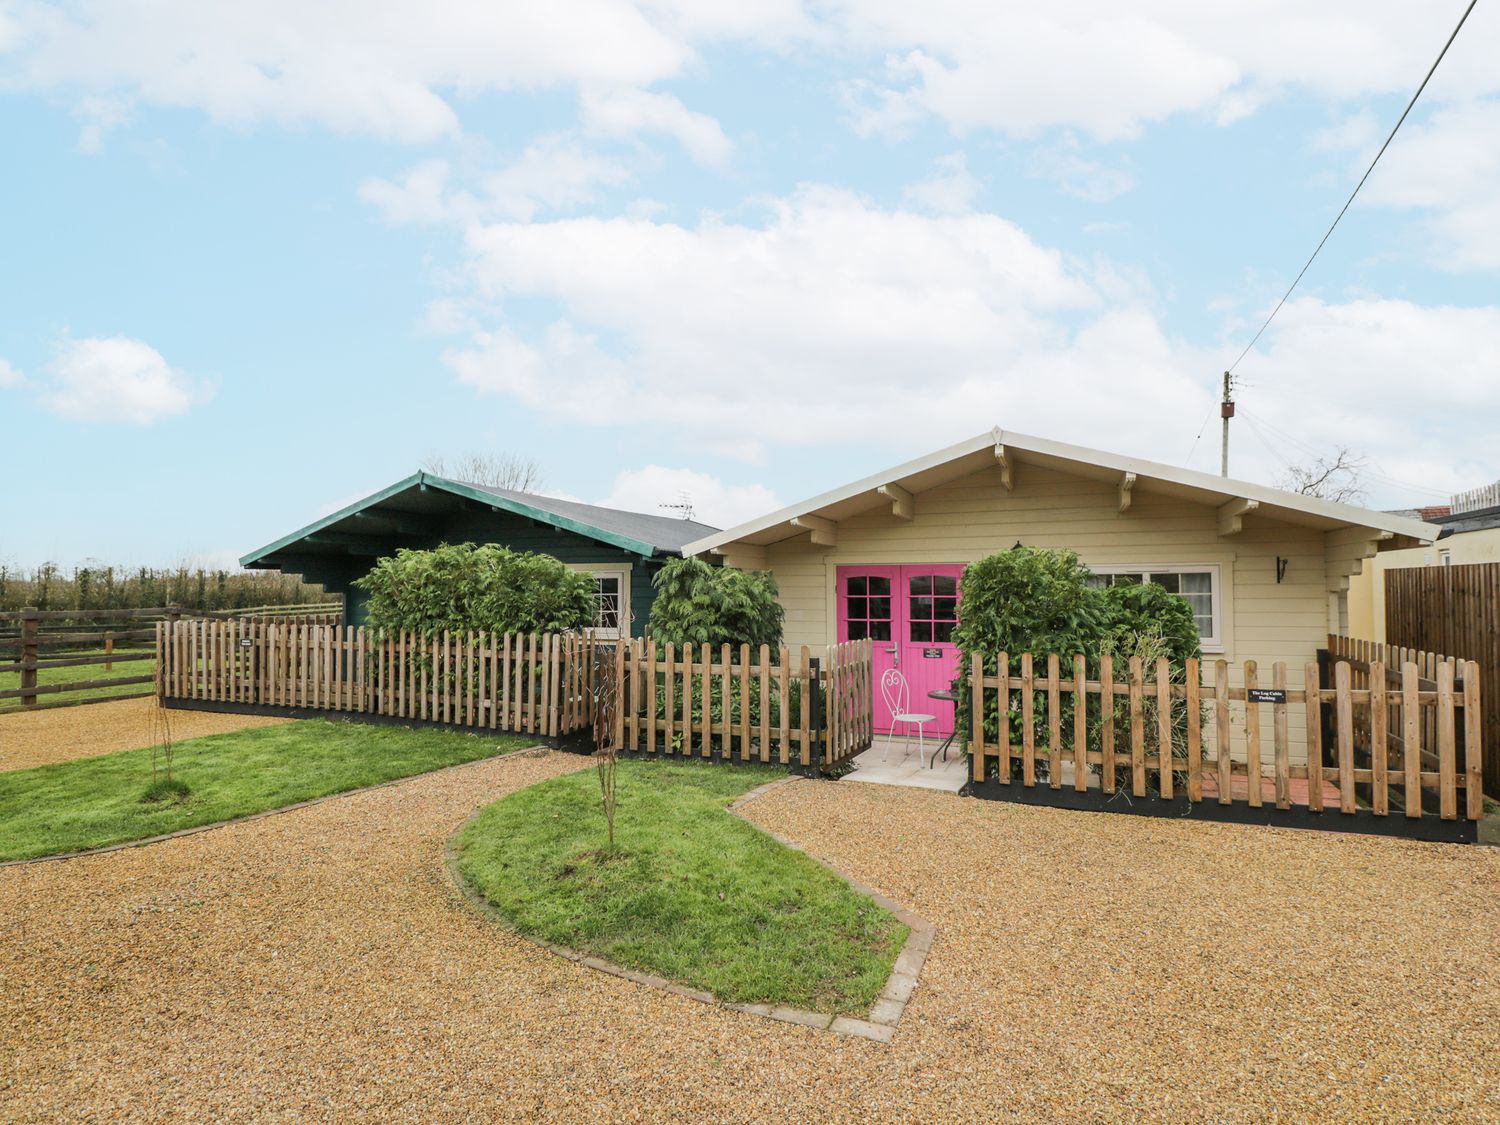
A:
(1447, 166)
(118, 379)
(836, 323)
(98, 116)
(395, 70)
(10, 376)
(381, 67)
(418, 195)
(625, 112)
(1077, 175)
(833, 318)
(1108, 69)
(553, 173)
(713, 502)
(1412, 385)
(950, 190)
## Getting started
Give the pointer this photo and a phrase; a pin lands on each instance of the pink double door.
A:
(909, 612)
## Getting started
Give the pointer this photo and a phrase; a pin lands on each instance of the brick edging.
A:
(880, 1025)
(529, 752)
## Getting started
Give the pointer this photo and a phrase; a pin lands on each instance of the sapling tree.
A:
(607, 756)
(163, 787)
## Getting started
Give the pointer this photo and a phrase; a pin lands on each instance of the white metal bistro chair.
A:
(897, 698)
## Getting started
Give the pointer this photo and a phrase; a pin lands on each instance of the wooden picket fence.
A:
(775, 706)
(849, 700)
(537, 683)
(1394, 732)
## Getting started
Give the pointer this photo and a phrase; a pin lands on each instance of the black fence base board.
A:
(227, 707)
(1180, 808)
(716, 758)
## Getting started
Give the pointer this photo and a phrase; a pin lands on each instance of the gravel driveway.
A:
(319, 965)
(60, 734)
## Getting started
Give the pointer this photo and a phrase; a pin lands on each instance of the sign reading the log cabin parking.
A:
(1265, 695)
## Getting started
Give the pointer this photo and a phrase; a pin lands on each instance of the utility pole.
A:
(1226, 412)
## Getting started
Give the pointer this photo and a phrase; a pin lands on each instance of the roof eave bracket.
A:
(1007, 467)
(1232, 515)
(903, 503)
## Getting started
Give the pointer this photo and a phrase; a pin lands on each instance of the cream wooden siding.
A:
(974, 517)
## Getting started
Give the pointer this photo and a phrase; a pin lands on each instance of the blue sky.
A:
(253, 269)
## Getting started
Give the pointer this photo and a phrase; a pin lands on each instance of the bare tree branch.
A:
(1339, 478)
(493, 470)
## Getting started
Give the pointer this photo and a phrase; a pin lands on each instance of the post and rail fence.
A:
(1374, 733)
(46, 640)
(34, 641)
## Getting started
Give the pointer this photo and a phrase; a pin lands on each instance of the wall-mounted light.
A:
(1281, 568)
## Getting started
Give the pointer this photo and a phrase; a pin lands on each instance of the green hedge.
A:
(1028, 599)
(462, 586)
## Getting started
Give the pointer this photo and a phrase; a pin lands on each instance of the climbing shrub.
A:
(697, 603)
(464, 586)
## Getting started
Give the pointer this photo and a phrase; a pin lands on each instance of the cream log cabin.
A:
(1266, 571)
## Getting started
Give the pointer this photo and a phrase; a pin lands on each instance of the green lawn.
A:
(91, 802)
(690, 893)
(145, 667)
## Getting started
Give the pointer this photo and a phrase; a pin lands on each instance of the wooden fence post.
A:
(30, 622)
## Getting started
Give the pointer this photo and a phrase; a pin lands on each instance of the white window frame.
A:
(610, 570)
(1213, 644)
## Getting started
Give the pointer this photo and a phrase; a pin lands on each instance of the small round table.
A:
(946, 696)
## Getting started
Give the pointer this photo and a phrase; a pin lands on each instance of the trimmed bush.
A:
(1030, 600)
(1143, 609)
(485, 587)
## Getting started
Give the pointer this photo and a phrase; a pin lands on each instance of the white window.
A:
(1445, 556)
(612, 588)
(1198, 585)
(612, 597)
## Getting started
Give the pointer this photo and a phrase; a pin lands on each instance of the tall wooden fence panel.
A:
(536, 683)
(1056, 722)
(1455, 610)
(775, 706)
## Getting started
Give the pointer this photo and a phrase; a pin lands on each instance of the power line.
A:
(1264, 429)
(1399, 121)
(1201, 431)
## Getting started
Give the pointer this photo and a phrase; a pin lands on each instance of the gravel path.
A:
(60, 734)
(320, 965)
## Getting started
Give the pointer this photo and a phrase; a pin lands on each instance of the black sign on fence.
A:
(1265, 695)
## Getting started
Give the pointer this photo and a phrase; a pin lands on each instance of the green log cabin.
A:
(623, 550)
